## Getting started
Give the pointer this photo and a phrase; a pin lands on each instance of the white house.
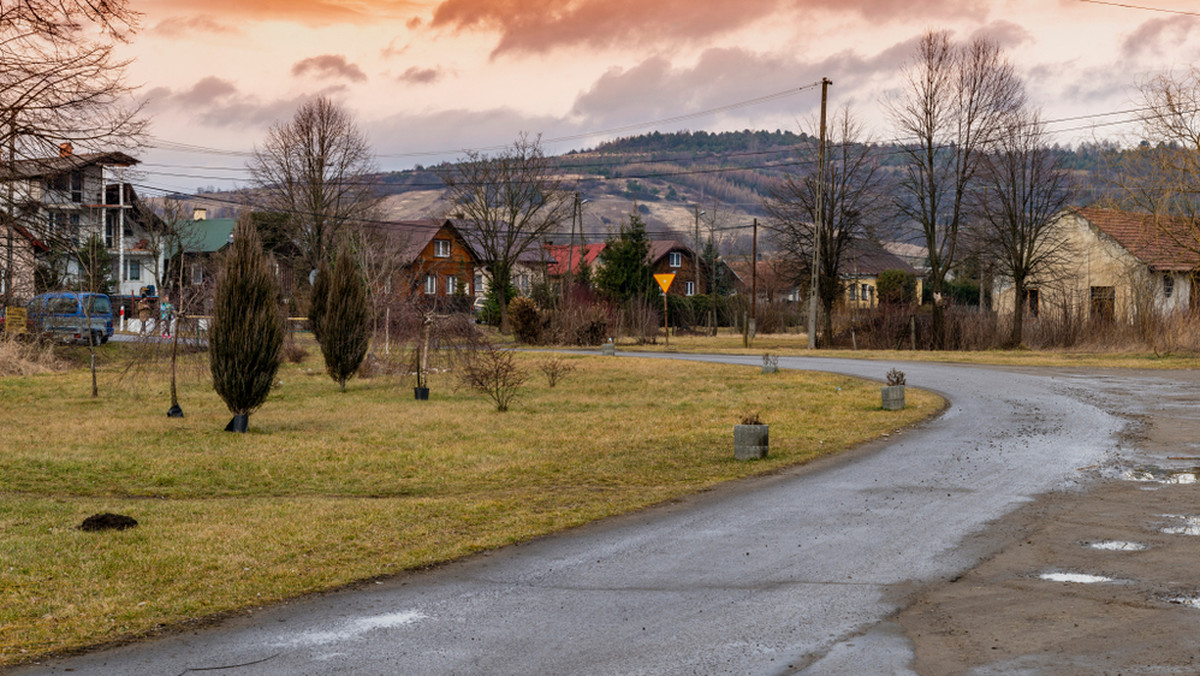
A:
(63, 200)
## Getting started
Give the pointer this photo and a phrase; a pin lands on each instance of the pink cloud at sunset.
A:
(428, 78)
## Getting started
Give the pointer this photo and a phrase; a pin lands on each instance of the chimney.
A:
(66, 149)
(199, 214)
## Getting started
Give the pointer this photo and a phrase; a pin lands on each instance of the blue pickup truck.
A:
(71, 317)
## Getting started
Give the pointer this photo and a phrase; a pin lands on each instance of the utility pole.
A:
(696, 251)
(753, 324)
(818, 221)
(568, 275)
(10, 209)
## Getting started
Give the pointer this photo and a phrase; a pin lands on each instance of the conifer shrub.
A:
(316, 305)
(345, 327)
(247, 329)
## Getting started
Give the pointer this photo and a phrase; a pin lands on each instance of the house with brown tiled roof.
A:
(1117, 264)
(437, 264)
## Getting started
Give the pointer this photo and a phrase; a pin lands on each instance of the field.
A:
(331, 488)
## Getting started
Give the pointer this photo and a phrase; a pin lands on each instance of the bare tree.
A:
(953, 99)
(316, 169)
(60, 82)
(1023, 189)
(1161, 176)
(853, 199)
(509, 201)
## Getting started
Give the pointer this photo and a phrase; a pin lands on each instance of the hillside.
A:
(666, 176)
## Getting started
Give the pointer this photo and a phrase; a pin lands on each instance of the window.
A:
(865, 292)
(853, 292)
(430, 284)
(1104, 300)
(1032, 302)
(690, 289)
(197, 273)
(478, 282)
(1168, 285)
(76, 186)
(451, 285)
(675, 258)
(133, 270)
(441, 248)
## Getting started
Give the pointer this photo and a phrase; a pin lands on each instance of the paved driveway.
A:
(792, 573)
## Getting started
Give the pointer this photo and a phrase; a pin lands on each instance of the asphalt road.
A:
(795, 573)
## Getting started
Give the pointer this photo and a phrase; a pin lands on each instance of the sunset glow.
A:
(427, 79)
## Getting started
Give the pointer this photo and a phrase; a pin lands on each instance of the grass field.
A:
(329, 488)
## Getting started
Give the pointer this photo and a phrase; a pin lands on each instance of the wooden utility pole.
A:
(818, 220)
(754, 280)
(696, 252)
(9, 208)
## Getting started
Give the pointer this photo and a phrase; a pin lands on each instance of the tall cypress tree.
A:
(320, 296)
(345, 329)
(246, 334)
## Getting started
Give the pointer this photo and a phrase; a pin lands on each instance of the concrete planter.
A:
(750, 442)
(893, 397)
(770, 368)
(608, 350)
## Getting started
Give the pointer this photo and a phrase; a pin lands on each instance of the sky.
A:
(427, 79)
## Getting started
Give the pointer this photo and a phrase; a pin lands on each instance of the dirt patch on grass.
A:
(1138, 530)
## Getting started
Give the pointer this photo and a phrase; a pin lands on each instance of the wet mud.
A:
(1104, 580)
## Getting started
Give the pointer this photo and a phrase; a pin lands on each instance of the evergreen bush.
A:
(246, 332)
(345, 327)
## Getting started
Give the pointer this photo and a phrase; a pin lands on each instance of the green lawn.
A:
(330, 488)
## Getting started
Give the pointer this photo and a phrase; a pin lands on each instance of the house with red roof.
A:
(666, 256)
(1116, 265)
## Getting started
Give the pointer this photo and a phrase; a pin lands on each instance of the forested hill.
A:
(665, 174)
(704, 142)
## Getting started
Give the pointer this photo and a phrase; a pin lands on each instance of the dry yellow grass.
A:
(330, 488)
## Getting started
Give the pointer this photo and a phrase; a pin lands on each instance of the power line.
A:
(1142, 7)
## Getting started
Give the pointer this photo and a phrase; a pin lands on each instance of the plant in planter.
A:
(893, 393)
(421, 391)
(751, 438)
(770, 363)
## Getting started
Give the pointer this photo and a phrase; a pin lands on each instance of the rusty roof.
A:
(1160, 242)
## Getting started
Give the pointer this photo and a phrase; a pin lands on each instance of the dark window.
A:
(76, 186)
(1168, 285)
(1104, 301)
(1032, 301)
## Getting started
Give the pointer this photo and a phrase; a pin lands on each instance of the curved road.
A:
(795, 573)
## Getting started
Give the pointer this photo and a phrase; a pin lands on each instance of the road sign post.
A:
(664, 282)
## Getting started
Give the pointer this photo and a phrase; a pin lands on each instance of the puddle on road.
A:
(1191, 525)
(1118, 546)
(1161, 475)
(353, 629)
(1079, 578)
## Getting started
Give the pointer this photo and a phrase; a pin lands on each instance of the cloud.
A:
(417, 75)
(1004, 33)
(1155, 34)
(178, 27)
(214, 102)
(655, 89)
(328, 66)
(308, 12)
(528, 27)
